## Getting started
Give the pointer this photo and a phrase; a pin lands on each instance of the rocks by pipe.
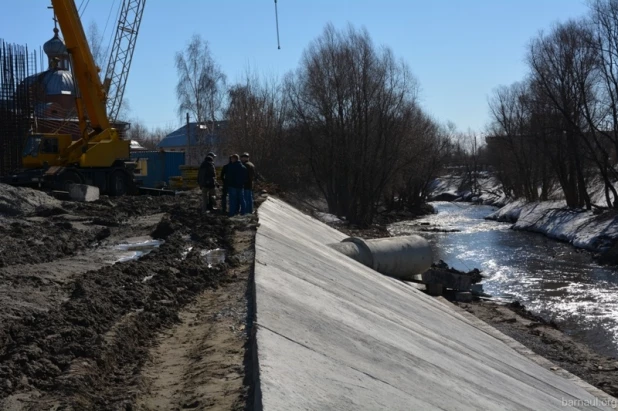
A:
(399, 257)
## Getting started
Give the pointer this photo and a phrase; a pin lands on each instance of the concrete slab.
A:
(83, 192)
(333, 334)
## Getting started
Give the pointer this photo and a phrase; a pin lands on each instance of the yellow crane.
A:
(100, 157)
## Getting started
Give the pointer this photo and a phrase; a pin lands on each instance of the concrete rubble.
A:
(83, 193)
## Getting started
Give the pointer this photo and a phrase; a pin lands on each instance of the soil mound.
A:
(17, 201)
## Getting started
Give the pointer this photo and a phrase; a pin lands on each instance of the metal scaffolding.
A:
(16, 102)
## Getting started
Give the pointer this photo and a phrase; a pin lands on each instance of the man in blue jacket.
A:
(248, 188)
(235, 176)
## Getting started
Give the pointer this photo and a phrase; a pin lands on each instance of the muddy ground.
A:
(546, 340)
(168, 331)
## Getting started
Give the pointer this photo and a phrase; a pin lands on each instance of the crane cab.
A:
(42, 150)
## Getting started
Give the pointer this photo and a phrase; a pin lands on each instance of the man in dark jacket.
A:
(206, 179)
(224, 186)
(248, 186)
(235, 176)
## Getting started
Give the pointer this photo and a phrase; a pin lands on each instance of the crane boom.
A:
(122, 53)
(92, 95)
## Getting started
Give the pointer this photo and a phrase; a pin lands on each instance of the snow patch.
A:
(327, 218)
(451, 188)
(582, 228)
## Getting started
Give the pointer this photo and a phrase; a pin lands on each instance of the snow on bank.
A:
(445, 186)
(581, 228)
(327, 218)
(449, 188)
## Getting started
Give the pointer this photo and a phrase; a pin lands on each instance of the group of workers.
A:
(237, 177)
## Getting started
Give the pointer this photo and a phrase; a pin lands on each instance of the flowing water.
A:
(550, 278)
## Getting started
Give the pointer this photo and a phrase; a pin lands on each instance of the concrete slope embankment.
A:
(333, 334)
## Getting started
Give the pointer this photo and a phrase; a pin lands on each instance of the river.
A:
(552, 279)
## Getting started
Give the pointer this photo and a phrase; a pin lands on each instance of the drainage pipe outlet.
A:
(399, 257)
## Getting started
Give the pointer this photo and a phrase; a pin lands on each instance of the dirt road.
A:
(86, 325)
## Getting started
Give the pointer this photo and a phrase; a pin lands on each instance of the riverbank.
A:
(547, 340)
(313, 301)
(595, 230)
(591, 230)
(487, 190)
(574, 297)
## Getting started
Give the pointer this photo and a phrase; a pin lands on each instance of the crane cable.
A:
(107, 50)
(111, 37)
(108, 17)
(277, 23)
(81, 12)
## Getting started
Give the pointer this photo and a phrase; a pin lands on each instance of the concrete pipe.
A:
(399, 257)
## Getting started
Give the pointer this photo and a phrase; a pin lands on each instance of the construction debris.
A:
(83, 192)
(440, 274)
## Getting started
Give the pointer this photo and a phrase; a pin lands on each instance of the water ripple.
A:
(552, 279)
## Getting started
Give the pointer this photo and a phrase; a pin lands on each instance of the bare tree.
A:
(471, 144)
(603, 120)
(422, 157)
(201, 83)
(562, 64)
(159, 133)
(95, 40)
(200, 91)
(138, 132)
(148, 138)
(354, 104)
(256, 116)
(568, 111)
(515, 150)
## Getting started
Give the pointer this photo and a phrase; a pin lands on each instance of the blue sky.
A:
(459, 50)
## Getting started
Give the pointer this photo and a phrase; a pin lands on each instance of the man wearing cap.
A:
(206, 178)
(248, 186)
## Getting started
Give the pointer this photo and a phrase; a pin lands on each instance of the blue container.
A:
(156, 167)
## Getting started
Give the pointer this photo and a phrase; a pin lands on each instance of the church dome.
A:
(52, 91)
(55, 48)
(57, 79)
(53, 82)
